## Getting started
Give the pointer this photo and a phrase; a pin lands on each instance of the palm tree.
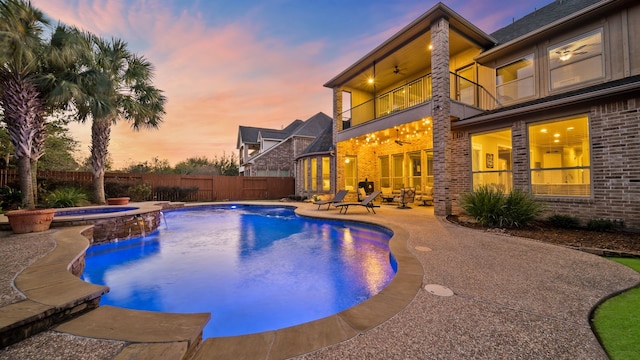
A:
(37, 78)
(126, 92)
(21, 52)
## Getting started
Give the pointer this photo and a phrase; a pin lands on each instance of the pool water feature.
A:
(253, 268)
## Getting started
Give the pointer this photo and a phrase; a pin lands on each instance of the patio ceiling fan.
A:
(397, 71)
(398, 141)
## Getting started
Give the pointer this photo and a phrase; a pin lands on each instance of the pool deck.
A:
(459, 293)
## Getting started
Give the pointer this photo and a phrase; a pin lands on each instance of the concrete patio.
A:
(511, 298)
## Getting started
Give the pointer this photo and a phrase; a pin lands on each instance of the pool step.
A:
(174, 336)
(54, 294)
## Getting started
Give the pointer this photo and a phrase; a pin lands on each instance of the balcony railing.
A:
(417, 92)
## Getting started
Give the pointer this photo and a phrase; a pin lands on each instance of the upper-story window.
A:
(576, 61)
(514, 81)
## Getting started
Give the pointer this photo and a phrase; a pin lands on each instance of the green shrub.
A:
(564, 221)
(10, 198)
(491, 207)
(140, 192)
(116, 189)
(600, 225)
(519, 209)
(67, 197)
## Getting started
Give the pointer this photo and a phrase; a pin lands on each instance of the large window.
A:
(465, 85)
(305, 173)
(415, 170)
(385, 171)
(428, 154)
(515, 81)
(397, 169)
(491, 160)
(351, 173)
(326, 173)
(559, 157)
(576, 61)
(314, 174)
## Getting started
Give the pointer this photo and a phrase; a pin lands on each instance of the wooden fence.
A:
(167, 186)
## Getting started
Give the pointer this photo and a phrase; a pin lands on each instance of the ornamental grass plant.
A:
(67, 197)
(490, 206)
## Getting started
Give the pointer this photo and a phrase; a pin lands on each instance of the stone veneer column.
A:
(441, 103)
(337, 126)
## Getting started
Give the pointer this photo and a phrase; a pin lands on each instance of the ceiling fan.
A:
(398, 141)
(399, 71)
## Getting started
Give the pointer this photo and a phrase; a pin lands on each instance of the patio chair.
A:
(406, 196)
(339, 197)
(367, 203)
(387, 194)
(426, 197)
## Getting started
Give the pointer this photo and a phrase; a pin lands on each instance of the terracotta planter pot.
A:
(118, 201)
(28, 221)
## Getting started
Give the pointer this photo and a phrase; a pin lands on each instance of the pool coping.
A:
(124, 325)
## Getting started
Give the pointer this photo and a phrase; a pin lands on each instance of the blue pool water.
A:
(253, 268)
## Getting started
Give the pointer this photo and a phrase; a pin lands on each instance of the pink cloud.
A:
(215, 78)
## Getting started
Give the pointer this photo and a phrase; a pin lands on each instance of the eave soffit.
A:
(417, 27)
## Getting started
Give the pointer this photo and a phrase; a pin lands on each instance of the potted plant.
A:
(30, 220)
(118, 200)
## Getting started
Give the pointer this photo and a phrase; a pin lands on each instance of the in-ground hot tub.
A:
(93, 210)
(112, 223)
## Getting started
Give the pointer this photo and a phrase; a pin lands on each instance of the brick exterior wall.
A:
(615, 165)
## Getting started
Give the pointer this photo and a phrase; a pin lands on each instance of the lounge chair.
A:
(339, 197)
(367, 203)
(406, 196)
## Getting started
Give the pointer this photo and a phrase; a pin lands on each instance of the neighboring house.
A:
(548, 104)
(269, 152)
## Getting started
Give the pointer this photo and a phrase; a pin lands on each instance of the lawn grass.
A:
(617, 320)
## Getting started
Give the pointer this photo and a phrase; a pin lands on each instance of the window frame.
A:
(569, 62)
(570, 173)
(487, 163)
(517, 80)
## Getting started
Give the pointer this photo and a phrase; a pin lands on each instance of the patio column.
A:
(337, 126)
(441, 103)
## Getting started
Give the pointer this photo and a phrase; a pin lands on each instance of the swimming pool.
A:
(253, 268)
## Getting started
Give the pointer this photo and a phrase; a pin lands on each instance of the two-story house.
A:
(272, 152)
(548, 104)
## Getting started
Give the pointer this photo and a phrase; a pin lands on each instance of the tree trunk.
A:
(37, 150)
(100, 133)
(33, 166)
(26, 182)
(22, 107)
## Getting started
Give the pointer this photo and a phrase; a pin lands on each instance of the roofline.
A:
(421, 24)
(597, 7)
(315, 153)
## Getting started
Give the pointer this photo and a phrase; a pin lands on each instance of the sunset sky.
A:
(226, 63)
